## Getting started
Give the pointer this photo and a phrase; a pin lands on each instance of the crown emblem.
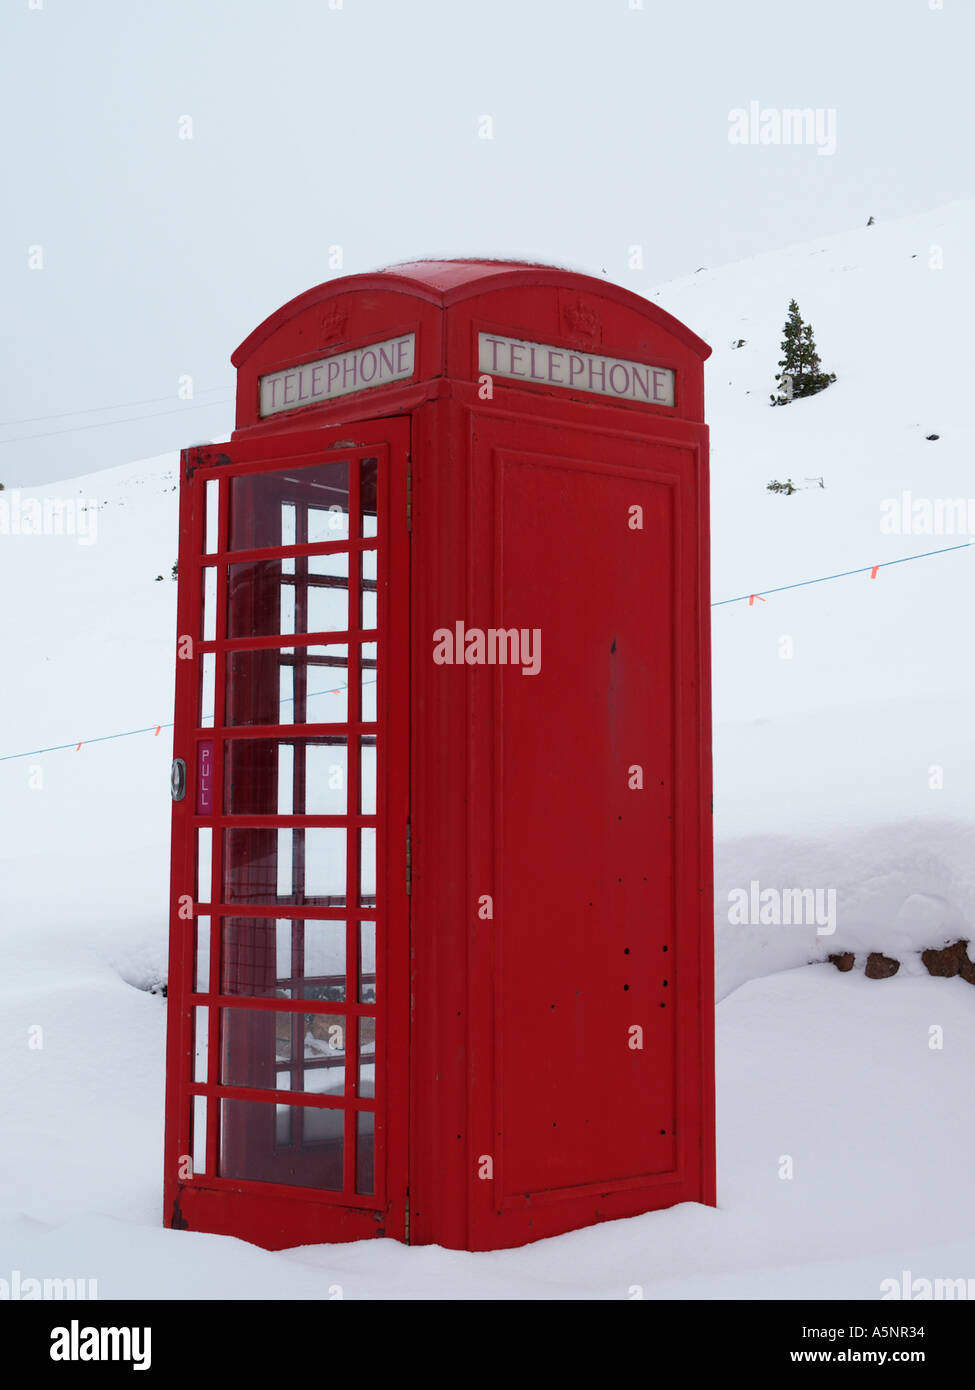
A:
(332, 323)
(581, 321)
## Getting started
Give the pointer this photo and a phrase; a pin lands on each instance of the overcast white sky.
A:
(357, 126)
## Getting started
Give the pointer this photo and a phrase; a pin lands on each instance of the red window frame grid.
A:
(352, 913)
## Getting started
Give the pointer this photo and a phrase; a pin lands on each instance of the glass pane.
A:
(297, 1145)
(283, 958)
(199, 1134)
(208, 673)
(204, 863)
(368, 586)
(364, 1152)
(367, 775)
(325, 865)
(202, 974)
(254, 1045)
(327, 599)
(201, 1020)
(297, 506)
(293, 866)
(256, 957)
(263, 601)
(367, 496)
(367, 867)
(293, 777)
(369, 678)
(324, 961)
(286, 779)
(327, 684)
(261, 1048)
(289, 529)
(209, 604)
(327, 1127)
(367, 962)
(284, 953)
(250, 866)
(288, 612)
(286, 879)
(367, 1057)
(211, 541)
(326, 778)
(293, 685)
(324, 1055)
(254, 599)
(328, 526)
(335, 563)
(283, 1127)
(286, 689)
(251, 777)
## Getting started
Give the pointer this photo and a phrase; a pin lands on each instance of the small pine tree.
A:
(801, 369)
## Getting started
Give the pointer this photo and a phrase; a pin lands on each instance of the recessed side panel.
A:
(585, 815)
(589, 998)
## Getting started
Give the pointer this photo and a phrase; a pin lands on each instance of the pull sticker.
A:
(204, 777)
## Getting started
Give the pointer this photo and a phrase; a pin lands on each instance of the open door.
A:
(289, 998)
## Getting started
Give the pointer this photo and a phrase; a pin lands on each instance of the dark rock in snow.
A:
(950, 961)
(881, 967)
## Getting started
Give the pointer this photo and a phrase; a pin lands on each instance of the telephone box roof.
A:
(448, 282)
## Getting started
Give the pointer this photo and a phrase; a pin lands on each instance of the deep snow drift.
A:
(845, 767)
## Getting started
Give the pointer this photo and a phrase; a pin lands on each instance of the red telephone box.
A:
(441, 927)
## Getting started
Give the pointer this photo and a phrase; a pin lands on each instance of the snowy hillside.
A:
(856, 730)
(846, 766)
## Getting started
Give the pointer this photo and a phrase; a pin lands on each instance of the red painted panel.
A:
(584, 858)
(600, 926)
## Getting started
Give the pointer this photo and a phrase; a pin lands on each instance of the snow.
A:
(845, 768)
(832, 1070)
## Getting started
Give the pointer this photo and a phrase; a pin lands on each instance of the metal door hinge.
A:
(409, 860)
(406, 1220)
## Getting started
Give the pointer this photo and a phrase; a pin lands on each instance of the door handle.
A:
(177, 779)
